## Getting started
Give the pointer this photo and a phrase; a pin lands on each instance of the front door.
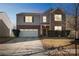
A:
(45, 30)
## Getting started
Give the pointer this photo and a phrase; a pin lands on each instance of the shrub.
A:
(16, 32)
(63, 33)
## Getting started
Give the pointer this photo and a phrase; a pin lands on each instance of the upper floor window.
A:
(28, 19)
(59, 28)
(58, 17)
(44, 19)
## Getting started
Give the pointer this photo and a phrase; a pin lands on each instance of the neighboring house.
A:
(36, 24)
(5, 25)
(70, 24)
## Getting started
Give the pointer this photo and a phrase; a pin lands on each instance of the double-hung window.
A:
(58, 17)
(58, 28)
(28, 19)
(44, 19)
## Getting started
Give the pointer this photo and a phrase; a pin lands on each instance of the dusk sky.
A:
(14, 8)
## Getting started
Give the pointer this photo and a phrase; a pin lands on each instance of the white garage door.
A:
(28, 32)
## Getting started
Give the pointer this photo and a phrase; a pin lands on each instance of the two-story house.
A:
(36, 24)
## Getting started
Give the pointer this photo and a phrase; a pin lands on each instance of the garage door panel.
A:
(29, 33)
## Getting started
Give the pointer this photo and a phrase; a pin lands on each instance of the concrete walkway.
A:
(22, 47)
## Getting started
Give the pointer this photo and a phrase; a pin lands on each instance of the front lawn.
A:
(57, 46)
(53, 43)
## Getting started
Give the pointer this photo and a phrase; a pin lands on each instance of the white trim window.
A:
(59, 28)
(44, 19)
(58, 17)
(28, 19)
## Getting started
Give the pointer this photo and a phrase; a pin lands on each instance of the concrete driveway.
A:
(22, 47)
(34, 47)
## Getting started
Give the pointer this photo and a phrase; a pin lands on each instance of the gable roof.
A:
(28, 13)
(50, 10)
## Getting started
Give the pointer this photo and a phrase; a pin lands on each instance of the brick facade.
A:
(28, 26)
(58, 23)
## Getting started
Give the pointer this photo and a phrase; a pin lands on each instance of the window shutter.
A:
(33, 19)
(24, 18)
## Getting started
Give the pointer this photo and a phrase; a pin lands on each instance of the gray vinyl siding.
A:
(37, 19)
(21, 19)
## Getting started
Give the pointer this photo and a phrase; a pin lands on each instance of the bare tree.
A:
(74, 24)
(76, 27)
(76, 20)
(71, 23)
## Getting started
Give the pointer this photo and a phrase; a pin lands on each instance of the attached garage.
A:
(28, 33)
